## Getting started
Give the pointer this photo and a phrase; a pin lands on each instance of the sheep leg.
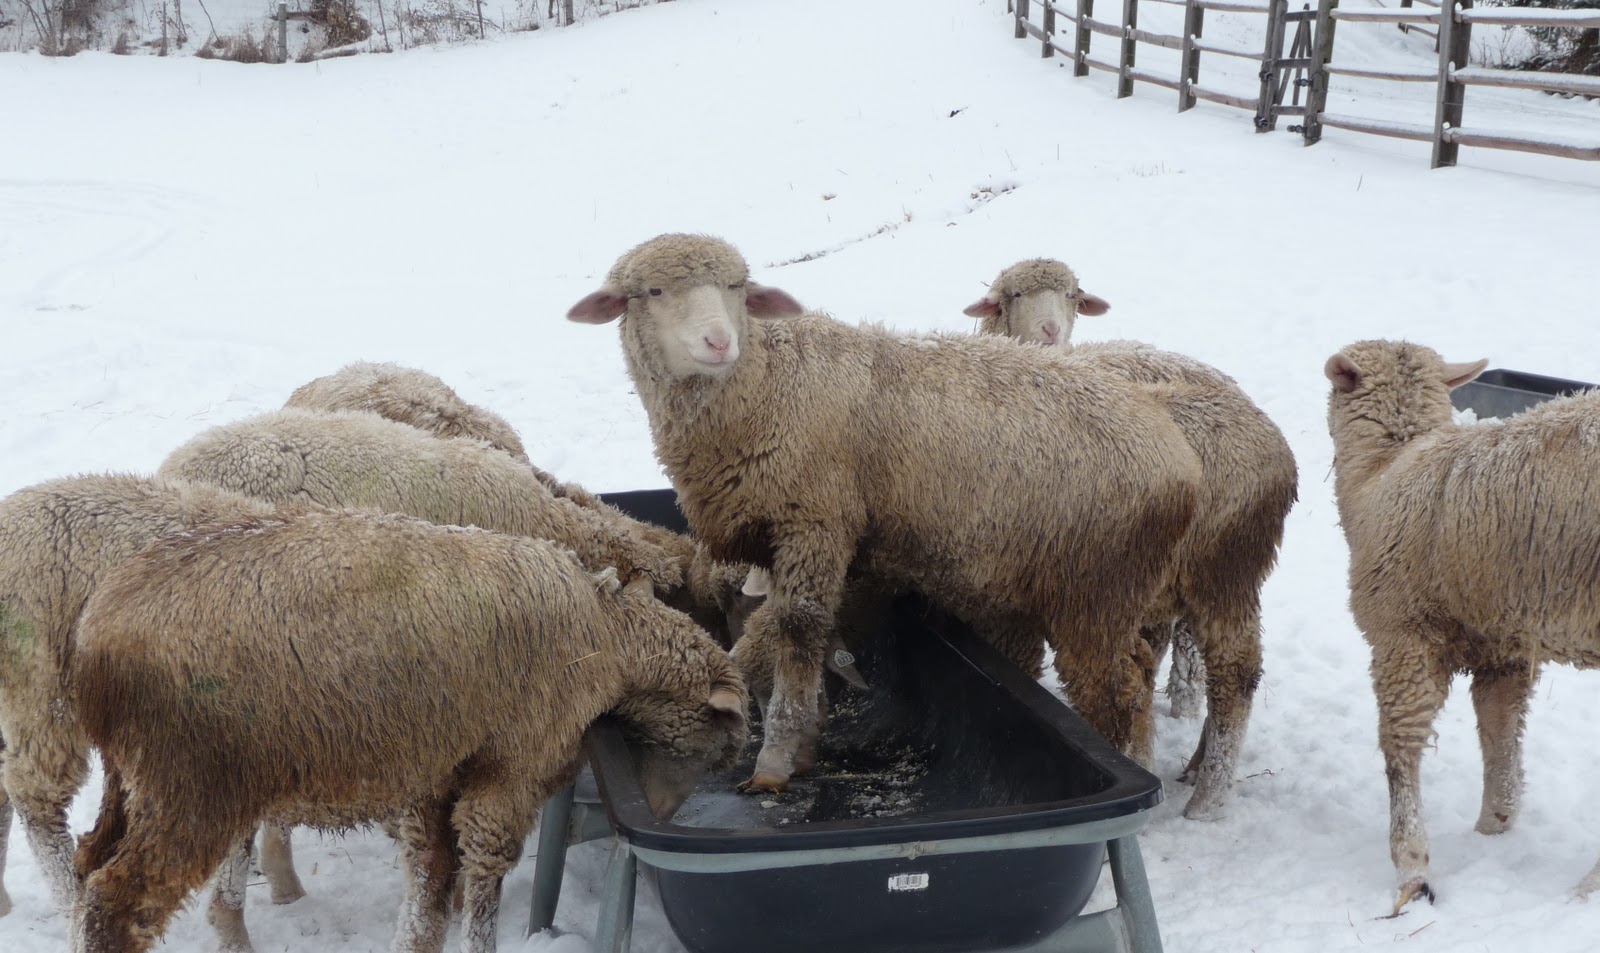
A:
(226, 913)
(1410, 681)
(41, 775)
(427, 843)
(1232, 651)
(151, 868)
(491, 823)
(1589, 883)
(1188, 673)
(809, 563)
(1110, 685)
(1500, 697)
(277, 863)
(5, 839)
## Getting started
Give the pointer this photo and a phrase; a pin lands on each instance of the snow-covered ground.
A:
(183, 242)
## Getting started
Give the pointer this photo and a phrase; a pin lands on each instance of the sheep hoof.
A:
(288, 893)
(1411, 890)
(5, 902)
(1493, 823)
(1198, 810)
(763, 782)
(1189, 776)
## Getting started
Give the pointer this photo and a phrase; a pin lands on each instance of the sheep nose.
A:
(718, 343)
(1051, 332)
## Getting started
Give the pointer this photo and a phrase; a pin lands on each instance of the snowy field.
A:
(183, 242)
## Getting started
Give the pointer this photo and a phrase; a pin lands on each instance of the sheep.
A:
(408, 396)
(442, 680)
(1472, 549)
(1037, 300)
(1212, 613)
(58, 539)
(414, 397)
(805, 446)
(363, 460)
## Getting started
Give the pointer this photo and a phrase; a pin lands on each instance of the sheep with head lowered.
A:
(338, 668)
(806, 446)
(407, 395)
(1211, 613)
(1472, 549)
(363, 460)
(58, 540)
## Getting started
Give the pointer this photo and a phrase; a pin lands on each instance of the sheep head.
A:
(685, 301)
(1390, 392)
(1036, 300)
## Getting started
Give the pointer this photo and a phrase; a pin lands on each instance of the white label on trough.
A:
(908, 882)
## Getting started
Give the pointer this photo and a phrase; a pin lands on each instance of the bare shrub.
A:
(241, 48)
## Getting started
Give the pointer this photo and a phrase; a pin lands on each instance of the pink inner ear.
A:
(984, 307)
(764, 302)
(1091, 304)
(598, 308)
(1343, 372)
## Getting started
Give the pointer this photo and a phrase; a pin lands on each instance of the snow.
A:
(183, 242)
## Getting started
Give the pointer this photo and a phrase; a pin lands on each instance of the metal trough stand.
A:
(1128, 927)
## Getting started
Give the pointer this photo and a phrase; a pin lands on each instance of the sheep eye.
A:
(736, 286)
(1016, 294)
(655, 292)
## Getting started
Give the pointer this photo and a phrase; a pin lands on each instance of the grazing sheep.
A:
(439, 676)
(1472, 549)
(408, 396)
(363, 460)
(1212, 612)
(57, 541)
(418, 399)
(805, 446)
(1037, 300)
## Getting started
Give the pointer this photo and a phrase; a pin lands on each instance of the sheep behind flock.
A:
(360, 459)
(419, 399)
(1472, 549)
(1249, 483)
(57, 541)
(804, 445)
(409, 396)
(442, 679)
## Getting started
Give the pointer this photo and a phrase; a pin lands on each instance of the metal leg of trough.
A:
(1133, 894)
(615, 930)
(554, 825)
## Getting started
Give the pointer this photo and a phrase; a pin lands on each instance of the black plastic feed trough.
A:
(956, 806)
(1501, 393)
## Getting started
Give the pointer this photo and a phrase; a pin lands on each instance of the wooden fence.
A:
(1308, 64)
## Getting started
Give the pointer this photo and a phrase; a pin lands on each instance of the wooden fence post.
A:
(1022, 16)
(1455, 45)
(283, 31)
(1048, 49)
(1189, 67)
(1130, 21)
(1266, 115)
(1080, 41)
(1321, 53)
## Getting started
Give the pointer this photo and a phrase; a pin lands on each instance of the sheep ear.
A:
(604, 305)
(842, 662)
(727, 701)
(985, 307)
(638, 584)
(766, 302)
(1457, 374)
(1091, 304)
(757, 583)
(1343, 372)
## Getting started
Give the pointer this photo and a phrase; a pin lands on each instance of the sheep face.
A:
(686, 302)
(1035, 301)
(1392, 391)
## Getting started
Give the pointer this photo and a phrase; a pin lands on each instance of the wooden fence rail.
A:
(1308, 65)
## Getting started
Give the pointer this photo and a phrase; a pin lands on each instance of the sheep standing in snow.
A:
(409, 396)
(57, 541)
(1472, 549)
(1212, 610)
(339, 668)
(418, 399)
(360, 459)
(804, 446)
